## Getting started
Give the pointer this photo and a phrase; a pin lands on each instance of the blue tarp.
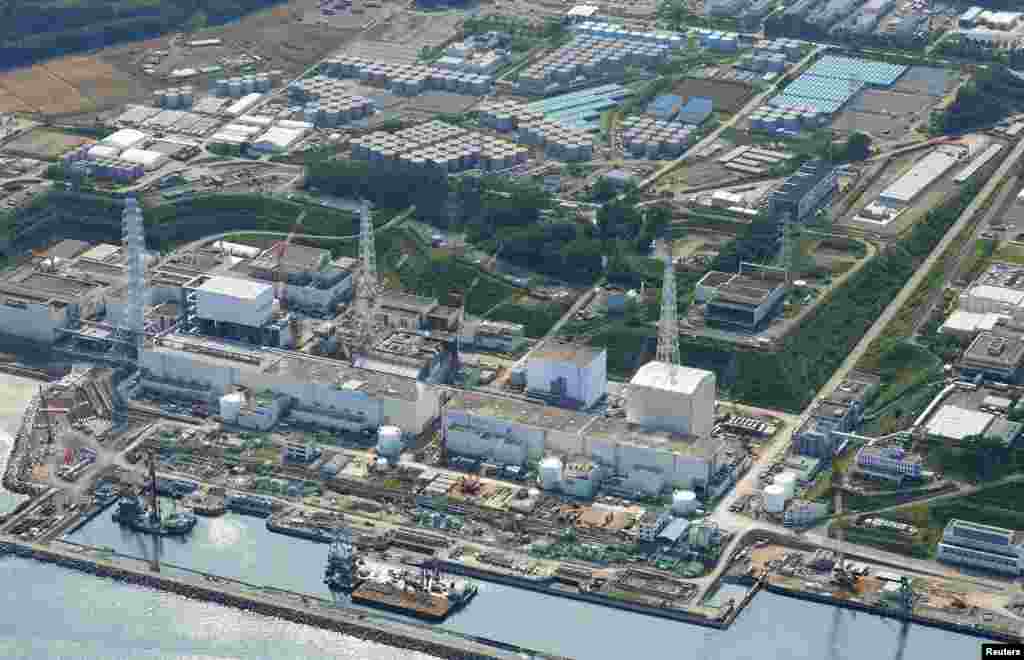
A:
(696, 110)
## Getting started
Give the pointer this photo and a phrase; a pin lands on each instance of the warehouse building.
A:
(923, 174)
(126, 138)
(805, 191)
(984, 546)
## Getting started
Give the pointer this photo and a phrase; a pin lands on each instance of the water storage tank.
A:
(774, 498)
(788, 482)
(684, 502)
(551, 473)
(389, 441)
(231, 405)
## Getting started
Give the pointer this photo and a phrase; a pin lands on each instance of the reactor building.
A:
(663, 440)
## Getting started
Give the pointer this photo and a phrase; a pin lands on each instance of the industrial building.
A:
(840, 412)
(889, 463)
(308, 277)
(672, 398)
(984, 546)
(923, 174)
(568, 374)
(996, 355)
(745, 299)
(804, 192)
(665, 439)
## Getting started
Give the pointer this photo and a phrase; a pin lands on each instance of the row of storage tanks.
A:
(717, 40)
(174, 97)
(653, 139)
(408, 79)
(330, 112)
(242, 85)
(531, 128)
(766, 62)
(439, 148)
(790, 48)
(591, 57)
(781, 490)
(600, 29)
(768, 118)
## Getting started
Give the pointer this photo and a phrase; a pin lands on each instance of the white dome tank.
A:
(788, 482)
(389, 441)
(551, 473)
(774, 499)
(231, 405)
(684, 502)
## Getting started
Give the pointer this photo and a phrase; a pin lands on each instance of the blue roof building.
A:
(696, 111)
(665, 107)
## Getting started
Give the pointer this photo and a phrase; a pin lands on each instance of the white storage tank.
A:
(774, 498)
(551, 473)
(389, 442)
(231, 406)
(788, 482)
(684, 502)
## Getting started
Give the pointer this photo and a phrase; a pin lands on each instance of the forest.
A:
(991, 94)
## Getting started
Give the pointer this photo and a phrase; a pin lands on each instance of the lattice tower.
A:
(668, 326)
(134, 241)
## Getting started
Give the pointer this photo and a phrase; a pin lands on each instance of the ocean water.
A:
(50, 612)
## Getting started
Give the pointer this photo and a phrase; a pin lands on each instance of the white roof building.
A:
(126, 138)
(278, 138)
(150, 160)
(103, 151)
(242, 105)
(957, 423)
(962, 322)
(674, 398)
(926, 171)
(582, 12)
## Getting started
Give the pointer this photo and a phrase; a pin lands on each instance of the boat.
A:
(206, 505)
(132, 513)
(249, 504)
(426, 596)
(175, 488)
(301, 528)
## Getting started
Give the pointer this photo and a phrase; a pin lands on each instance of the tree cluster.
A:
(992, 94)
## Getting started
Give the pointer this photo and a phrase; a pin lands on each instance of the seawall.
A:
(341, 620)
(545, 587)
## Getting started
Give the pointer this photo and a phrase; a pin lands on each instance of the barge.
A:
(428, 599)
(300, 528)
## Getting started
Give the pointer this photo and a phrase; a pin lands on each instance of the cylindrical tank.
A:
(684, 502)
(235, 88)
(788, 482)
(221, 87)
(173, 99)
(231, 405)
(551, 473)
(774, 498)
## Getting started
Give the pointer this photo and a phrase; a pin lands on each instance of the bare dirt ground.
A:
(79, 84)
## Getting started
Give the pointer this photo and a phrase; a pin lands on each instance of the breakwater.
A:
(226, 592)
(546, 586)
(17, 461)
(893, 614)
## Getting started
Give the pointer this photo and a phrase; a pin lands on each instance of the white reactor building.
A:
(674, 398)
